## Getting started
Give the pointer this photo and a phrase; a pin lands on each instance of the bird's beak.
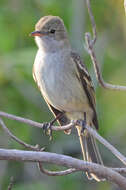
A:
(38, 33)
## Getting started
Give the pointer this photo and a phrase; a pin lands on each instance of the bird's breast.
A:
(55, 76)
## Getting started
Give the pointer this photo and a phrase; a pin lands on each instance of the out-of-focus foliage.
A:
(19, 95)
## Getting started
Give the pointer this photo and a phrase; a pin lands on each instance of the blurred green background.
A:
(20, 96)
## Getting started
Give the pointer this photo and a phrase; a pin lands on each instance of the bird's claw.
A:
(82, 124)
(47, 128)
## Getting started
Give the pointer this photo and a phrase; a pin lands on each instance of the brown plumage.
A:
(65, 83)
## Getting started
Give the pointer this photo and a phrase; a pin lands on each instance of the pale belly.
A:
(61, 88)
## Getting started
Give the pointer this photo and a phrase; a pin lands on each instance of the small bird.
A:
(65, 83)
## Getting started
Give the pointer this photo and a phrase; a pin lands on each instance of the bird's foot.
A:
(47, 128)
(82, 123)
(83, 126)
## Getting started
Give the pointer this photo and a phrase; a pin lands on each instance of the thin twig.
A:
(92, 22)
(91, 51)
(96, 67)
(56, 173)
(71, 170)
(11, 183)
(66, 161)
(106, 144)
(36, 147)
(34, 123)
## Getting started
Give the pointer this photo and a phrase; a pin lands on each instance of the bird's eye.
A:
(52, 31)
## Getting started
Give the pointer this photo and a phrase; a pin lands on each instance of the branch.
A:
(37, 148)
(107, 144)
(57, 128)
(34, 123)
(71, 168)
(7, 131)
(90, 43)
(56, 173)
(74, 164)
(65, 161)
(92, 22)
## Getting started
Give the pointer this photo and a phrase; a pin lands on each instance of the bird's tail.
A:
(90, 151)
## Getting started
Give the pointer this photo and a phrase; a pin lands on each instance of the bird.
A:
(65, 84)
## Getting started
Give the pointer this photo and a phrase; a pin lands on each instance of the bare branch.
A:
(91, 51)
(107, 144)
(56, 173)
(34, 123)
(72, 168)
(37, 148)
(65, 161)
(92, 22)
(17, 139)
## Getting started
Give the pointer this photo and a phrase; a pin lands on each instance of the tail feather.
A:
(90, 151)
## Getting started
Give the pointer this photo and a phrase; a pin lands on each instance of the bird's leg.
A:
(84, 122)
(47, 127)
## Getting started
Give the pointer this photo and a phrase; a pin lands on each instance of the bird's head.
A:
(50, 33)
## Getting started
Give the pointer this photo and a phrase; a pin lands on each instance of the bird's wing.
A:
(63, 120)
(86, 81)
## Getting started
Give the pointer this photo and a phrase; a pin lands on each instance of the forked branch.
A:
(66, 161)
(104, 172)
(57, 128)
(90, 47)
